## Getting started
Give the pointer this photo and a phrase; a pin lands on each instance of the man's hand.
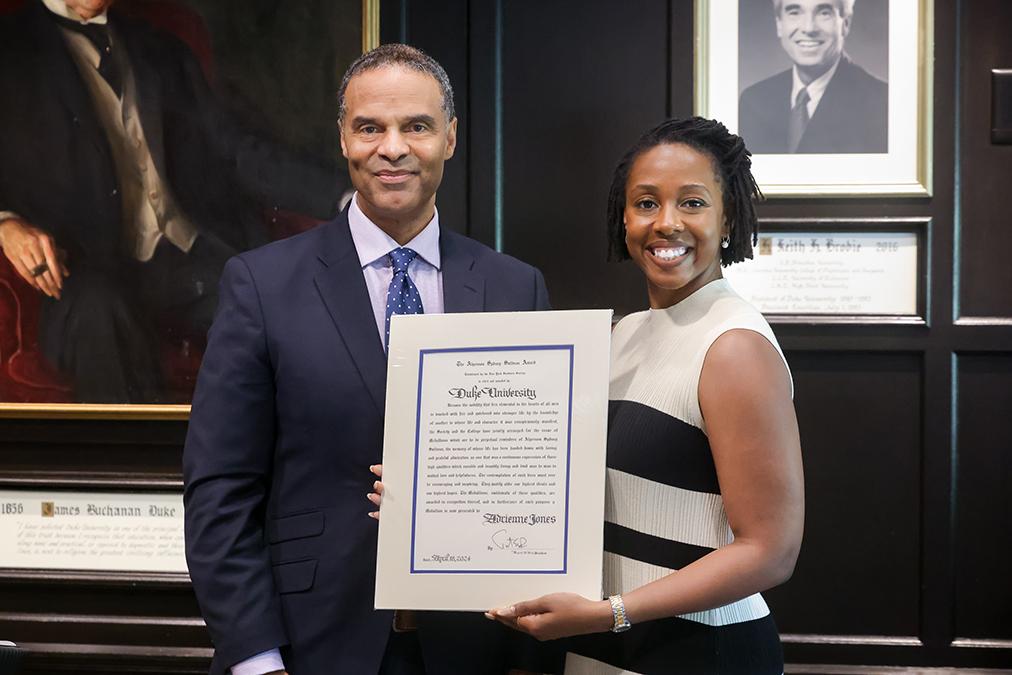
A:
(377, 495)
(34, 256)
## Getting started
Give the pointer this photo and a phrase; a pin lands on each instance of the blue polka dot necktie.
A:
(402, 296)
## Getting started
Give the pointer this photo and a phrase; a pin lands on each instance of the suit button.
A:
(114, 192)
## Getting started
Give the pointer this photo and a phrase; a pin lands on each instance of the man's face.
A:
(812, 32)
(396, 138)
(88, 9)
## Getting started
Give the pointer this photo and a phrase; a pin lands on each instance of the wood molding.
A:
(869, 640)
(46, 657)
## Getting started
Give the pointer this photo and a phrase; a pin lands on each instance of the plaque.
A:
(842, 273)
(109, 531)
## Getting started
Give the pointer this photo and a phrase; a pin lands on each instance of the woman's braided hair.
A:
(732, 163)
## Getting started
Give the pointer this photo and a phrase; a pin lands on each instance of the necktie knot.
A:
(99, 36)
(803, 98)
(97, 33)
(400, 258)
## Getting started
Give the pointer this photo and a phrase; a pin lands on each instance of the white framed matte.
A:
(899, 52)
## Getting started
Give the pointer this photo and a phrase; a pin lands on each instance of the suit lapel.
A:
(830, 118)
(463, 287)
(60, 71)
(343, 290)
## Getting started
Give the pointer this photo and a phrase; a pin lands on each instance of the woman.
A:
(704, 460)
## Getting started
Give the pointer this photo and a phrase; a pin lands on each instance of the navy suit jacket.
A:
(852, 116)
(287, 417)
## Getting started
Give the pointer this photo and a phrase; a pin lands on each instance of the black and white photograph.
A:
(813, 75)
(829, 95)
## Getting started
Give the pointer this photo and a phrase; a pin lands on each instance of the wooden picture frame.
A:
(279, 72)
(877, 276)
(743, 77)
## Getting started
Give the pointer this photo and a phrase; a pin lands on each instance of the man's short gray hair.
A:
(845, 7)
(396, 54)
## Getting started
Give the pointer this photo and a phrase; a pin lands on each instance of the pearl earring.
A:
(725, 242)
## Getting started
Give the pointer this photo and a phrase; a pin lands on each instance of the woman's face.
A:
(674, 220)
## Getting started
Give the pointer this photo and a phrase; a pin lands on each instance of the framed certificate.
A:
(494, 458)
(869, 271)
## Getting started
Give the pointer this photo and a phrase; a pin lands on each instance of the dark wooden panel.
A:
(576, 94)
(101, 659)
(860, 422)
(65, 598)
(85, 622)
(983, 550)
(76, 452)
(985, 201)
(429, 23)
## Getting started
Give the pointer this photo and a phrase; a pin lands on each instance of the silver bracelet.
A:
(618, 614)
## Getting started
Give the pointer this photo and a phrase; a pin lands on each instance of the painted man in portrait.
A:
(124, 187)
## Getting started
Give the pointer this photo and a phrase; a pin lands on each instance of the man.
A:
(124, 188)
(825, 103)
(288, 412)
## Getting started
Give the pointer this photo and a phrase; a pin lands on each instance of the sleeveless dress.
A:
(663, 508)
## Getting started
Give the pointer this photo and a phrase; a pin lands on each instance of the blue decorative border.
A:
(569, 442)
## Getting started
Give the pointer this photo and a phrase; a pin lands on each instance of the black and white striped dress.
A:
(663, 507)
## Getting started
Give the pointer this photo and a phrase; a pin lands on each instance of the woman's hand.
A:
(556, 616)
(377, 495)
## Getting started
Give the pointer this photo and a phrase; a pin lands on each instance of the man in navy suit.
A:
(288, 412)
(825, 103)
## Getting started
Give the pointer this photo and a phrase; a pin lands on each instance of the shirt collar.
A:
(59, 8)
(372, 243)
(816, 88)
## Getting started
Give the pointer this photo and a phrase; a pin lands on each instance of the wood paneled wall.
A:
(907, 430)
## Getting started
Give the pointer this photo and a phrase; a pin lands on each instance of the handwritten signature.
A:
(503, 541)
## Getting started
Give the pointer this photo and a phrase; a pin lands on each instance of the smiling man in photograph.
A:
(289, 408)
(824, 103)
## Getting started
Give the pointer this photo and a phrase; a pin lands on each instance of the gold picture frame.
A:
(370, 38)
(903, 170)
